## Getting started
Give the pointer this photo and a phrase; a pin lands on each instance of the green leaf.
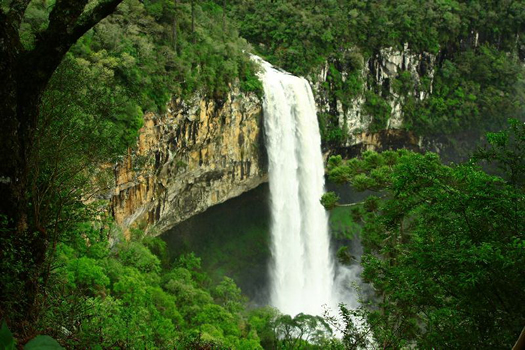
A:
(7, 342)
(43, 342)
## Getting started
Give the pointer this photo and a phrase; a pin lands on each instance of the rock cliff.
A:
(198, 154)
(377, 75)
(203, 152)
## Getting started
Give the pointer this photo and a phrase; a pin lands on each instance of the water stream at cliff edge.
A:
(302, 271)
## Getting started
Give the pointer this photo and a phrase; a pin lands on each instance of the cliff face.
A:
(203, 152)
(377, 74)
(198, 154)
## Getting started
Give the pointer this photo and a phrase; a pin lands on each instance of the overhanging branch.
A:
(67, 23)
(89, 19)
(17, 10)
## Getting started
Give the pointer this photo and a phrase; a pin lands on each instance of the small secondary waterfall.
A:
(302, 272)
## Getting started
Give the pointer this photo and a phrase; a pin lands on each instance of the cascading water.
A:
(302, 273)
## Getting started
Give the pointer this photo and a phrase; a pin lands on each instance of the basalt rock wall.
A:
(197, 154)
(377, 75)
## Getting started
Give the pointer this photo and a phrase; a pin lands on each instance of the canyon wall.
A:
(378, 75)
(203, 152)
(197, 154)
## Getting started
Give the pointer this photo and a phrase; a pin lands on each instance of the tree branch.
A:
(17, 10)
(63, 18)
(67, 23)
(520, 343)
(348, 204)
(88, 20)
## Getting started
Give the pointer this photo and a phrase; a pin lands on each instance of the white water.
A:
(302, 271)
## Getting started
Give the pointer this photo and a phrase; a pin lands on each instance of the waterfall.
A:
(302, 271)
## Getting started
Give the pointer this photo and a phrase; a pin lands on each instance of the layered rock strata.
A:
(198, 154)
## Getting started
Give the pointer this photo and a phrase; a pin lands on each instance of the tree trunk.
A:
(19, 113)
(24, 76)
(11, 174)
(175, 25)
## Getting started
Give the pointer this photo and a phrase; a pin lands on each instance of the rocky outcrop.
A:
(198, 154)
(388, 139)
(378, 74)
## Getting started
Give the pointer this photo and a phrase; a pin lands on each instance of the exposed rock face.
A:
(389, 64)
(198, 154)
(389, 139)
(378, 72)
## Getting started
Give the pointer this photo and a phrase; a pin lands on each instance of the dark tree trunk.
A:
(20, 95)
(175, 25)
(24, 76)
(11, 179)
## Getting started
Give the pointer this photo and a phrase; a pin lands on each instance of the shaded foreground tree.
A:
(25, 73)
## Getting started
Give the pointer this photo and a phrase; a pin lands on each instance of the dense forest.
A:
(444, 244)
(478, 47)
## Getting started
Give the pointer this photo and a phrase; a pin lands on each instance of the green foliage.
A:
(505, 151)
(378, 109)
(334, 161)
(476, 78)
(300, 34)
(329, 129)
(343, 224)
(302, 331)
(251, 82)
(140, 257)
(7, 341)
(228, 295)
(43, 342)
(344, 256)
(404, 84)
(149, 51)
(329, 200)
(476, 89)
(84, 273)
(125, 297)
(158, 247)
(371, 172)
(132, 62)
(444, 247)
(288, 34)
(278, 331)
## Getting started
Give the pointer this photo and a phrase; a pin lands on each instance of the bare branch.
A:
(63, 17)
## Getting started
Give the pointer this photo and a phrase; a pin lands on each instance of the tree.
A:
(445, 247)
(25, 73)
